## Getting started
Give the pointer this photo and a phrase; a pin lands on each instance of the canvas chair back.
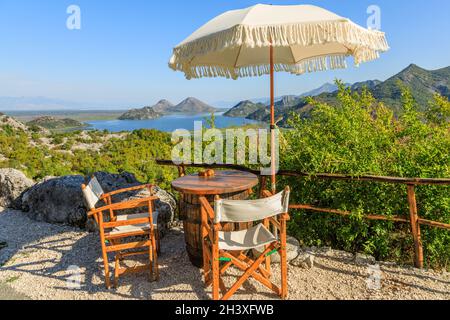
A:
(251, 210)
(92, 193)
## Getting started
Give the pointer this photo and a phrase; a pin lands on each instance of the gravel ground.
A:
(39, 255)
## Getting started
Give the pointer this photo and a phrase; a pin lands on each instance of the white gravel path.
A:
(39, 255)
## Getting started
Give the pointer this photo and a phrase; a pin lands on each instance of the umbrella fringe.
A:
(365, 45)
(308, 65)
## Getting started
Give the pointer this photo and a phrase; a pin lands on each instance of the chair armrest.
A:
(132, 204)
(113, 193)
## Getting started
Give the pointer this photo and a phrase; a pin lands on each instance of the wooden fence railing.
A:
(414, 219)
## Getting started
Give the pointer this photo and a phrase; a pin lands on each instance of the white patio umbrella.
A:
(264, 38)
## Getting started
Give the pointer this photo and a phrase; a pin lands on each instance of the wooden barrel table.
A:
(233, 185)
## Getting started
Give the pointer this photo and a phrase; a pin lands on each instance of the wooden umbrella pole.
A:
(272, 121)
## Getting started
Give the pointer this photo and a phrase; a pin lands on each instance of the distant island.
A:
(244, 108)
(53, 123)
(146, 113)
(191, 105)
(188, 106)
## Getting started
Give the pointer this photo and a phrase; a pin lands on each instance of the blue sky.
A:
(119, 57)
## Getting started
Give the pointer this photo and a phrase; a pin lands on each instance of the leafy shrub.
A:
(362, 137)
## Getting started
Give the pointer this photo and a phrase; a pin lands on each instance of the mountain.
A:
(55, 123)
(260, 111)
(162, 106)
(423, 84)
(287, 101)
(35, 103)
(39, 103)
(370, 84)
(191, 105)
(256, 109)
(146, 113)
(326, 88)
(244, 109)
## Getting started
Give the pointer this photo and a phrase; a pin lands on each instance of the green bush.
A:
(362, 137)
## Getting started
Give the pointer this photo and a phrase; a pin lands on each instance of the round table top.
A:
(222, 183)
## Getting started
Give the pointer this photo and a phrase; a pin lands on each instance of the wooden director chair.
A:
(116, 229)
(221, 250)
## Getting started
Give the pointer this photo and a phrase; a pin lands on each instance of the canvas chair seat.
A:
(249, 239)
(134, 228)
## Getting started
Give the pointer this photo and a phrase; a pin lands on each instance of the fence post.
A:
(415, 226)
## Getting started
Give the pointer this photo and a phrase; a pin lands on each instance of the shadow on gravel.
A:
(23, 237)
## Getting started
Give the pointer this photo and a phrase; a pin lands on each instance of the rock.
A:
(13, 123)
(364, 259)
(60, 200)
(342, 255)
(388, 263)
(12, 184)
(326, 250)
(292, 246)
(57, 200)
(304, 260)
(146, 113)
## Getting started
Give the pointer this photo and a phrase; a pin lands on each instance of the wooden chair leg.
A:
(116, 270)
(268, 268)
(150, 260)
(106, 267)
(283, 262)
(104, 253)
(283, 276)
(215, 273)
(268, 260)
(206, 265)
(155, 257)
(156, 266)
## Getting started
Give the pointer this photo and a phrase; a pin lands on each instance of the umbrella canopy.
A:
(305, 38)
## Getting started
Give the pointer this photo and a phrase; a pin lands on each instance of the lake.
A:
(168, 123)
